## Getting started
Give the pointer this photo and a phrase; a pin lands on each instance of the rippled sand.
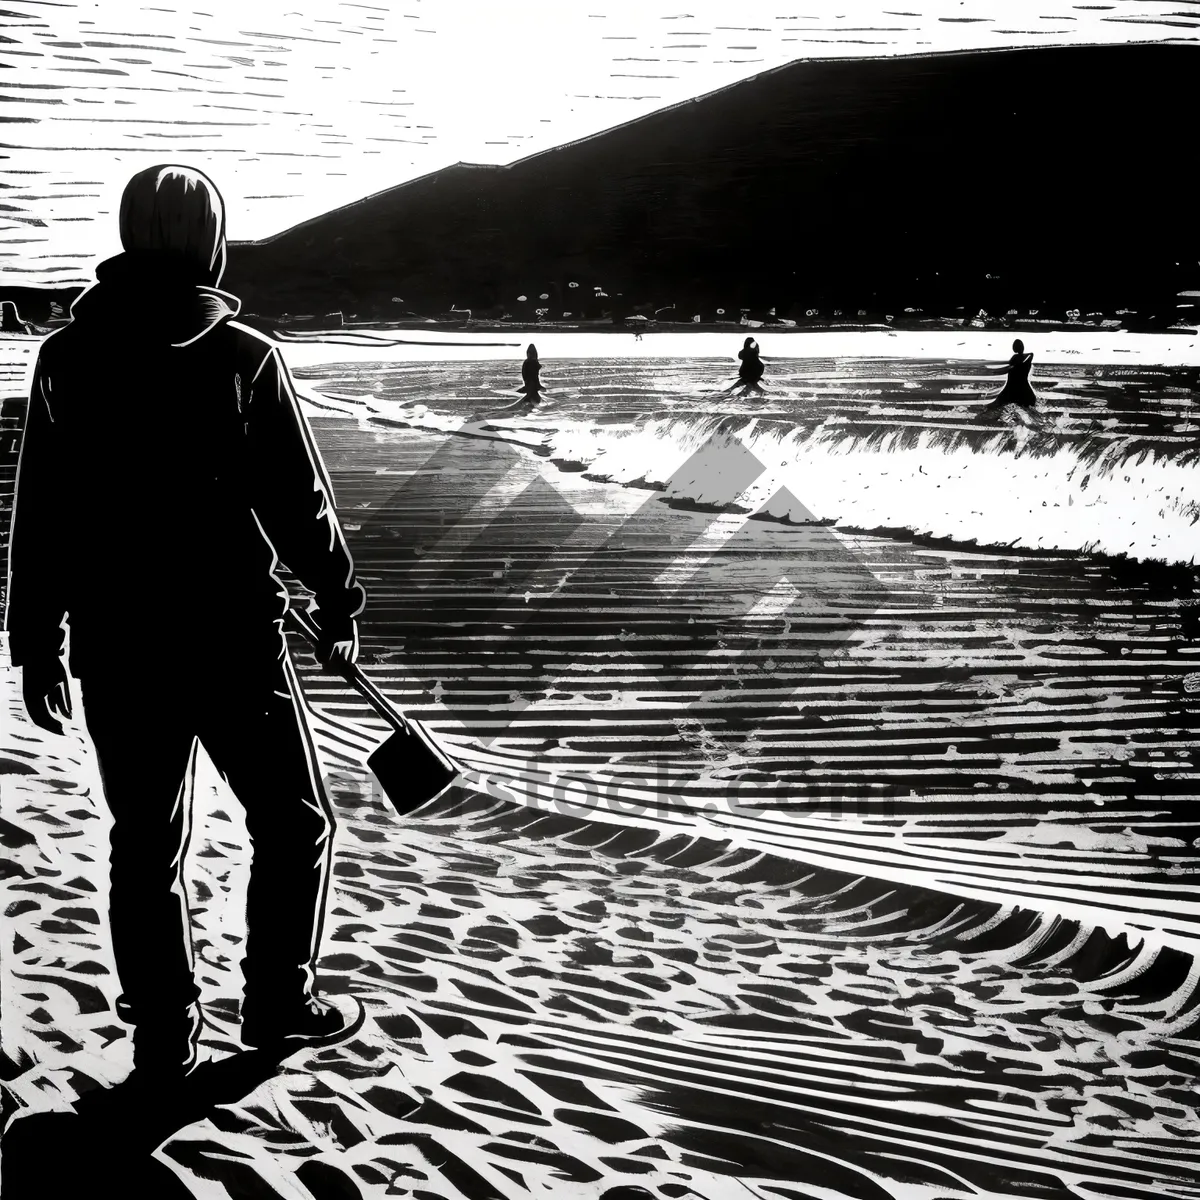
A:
(559, 1006)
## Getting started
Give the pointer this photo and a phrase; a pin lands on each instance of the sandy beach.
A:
(591, 1009)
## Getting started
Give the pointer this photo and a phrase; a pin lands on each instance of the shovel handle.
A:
(302, 623)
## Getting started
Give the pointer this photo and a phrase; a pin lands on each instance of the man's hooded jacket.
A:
(166, 471)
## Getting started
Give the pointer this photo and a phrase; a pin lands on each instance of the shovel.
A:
(409, 766)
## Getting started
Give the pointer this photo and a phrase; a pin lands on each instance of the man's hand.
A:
(47, 694)
(337, 648)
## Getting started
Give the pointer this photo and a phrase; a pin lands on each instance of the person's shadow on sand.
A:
(107, 1142)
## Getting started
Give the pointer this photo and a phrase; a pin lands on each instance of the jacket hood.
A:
(157, 299)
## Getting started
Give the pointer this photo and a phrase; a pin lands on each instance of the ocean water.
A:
(1107, 466)
(644, 600)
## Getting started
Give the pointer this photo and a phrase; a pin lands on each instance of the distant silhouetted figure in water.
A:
(10, 319)
(751, 371)
(1017, 389)
(531, 372)
(166, 471)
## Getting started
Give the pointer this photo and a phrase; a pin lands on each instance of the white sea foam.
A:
(1004, 488)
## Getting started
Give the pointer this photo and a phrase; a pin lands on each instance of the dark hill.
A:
(1053, 177)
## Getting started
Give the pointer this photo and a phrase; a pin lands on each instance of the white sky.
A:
(298, 106)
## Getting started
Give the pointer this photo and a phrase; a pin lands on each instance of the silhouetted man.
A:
(1017, 389)
(531, 373)
(166, 472)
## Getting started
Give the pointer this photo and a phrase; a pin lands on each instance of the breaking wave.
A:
(1013, 487)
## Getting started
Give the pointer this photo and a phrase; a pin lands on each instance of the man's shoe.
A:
(312, 1022)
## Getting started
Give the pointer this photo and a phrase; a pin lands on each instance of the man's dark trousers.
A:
(240, 699)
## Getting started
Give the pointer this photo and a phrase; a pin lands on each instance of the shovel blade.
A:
(411, 769)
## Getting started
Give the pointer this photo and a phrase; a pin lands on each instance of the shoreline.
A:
(806, 788)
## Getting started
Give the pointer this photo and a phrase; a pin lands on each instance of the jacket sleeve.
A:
(292, 497)
(36, 602)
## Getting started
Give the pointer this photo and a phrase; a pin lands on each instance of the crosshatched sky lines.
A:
(298, 106)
